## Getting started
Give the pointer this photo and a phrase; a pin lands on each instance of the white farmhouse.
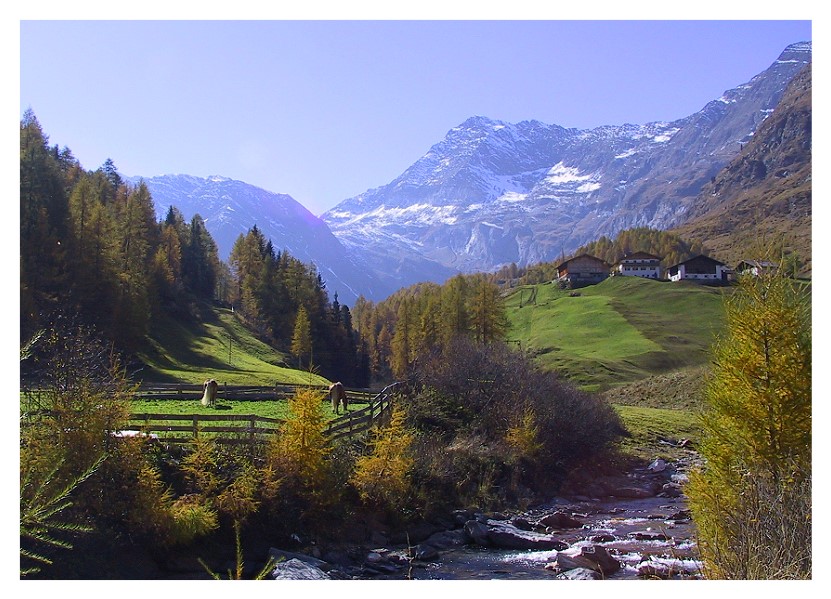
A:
(639, 264)
(699, 268)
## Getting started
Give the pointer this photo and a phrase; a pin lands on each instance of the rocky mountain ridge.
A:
(492, 193)
(764, 194)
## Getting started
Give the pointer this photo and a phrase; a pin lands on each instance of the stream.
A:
(634, 532)
(632, 525)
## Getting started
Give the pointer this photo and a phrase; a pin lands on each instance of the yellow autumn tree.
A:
(752, 501)
(382, 475)
(297, 469)
(523, 436)
(301, 447)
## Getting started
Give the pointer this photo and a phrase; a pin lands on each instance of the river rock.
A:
(294, 569)
(634, 492)
(505, 536)
(462, 516)
(593, 557)
(576, 573)
(477, 532)
(602, 538)
(681, 516)
(283, 556)
(658, 465)
(652, 569)
(560, 520)
(671, 490)
(447, 539)
(424, 552)
(648, 536)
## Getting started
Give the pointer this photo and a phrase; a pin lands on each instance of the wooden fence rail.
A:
(249, 428)
(238, 392)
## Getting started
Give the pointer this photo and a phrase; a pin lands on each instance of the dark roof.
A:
(640, 255)
(581, 256)
(699, 257)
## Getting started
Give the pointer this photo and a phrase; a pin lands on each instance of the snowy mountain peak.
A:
(491, 193)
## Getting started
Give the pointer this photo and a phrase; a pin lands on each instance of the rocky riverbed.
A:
(635, 525)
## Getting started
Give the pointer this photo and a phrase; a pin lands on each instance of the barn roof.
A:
(561, 264)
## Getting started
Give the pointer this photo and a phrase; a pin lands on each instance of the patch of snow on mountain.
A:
(588, 186)
(665, 136)
(560, 173)
(627, 153)
(511, 197)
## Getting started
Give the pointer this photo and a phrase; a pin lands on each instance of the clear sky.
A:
(324, 110)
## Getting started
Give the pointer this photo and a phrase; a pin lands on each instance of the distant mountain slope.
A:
(765, 192)
(492, 193)
(230, 208)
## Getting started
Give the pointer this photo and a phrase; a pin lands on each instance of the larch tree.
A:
(301, 341)
(752, 499)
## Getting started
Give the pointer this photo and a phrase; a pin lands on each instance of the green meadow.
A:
(619, 331)
(218, 347)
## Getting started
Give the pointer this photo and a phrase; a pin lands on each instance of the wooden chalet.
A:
(582, 270)
(755, 267)
(638, 264)
(700, 268)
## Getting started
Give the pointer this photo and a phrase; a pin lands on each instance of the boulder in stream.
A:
(593, 557)
(294, 569)
(505, 536)
(560, 520)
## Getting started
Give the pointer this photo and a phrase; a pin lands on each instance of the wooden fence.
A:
(360, 421)
(237, 392)
(238, 428)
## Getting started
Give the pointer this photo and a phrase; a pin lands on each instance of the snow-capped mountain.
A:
(492, 193)
(230, 208)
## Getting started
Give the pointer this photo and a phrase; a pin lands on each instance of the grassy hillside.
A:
(218, 347)
(619, 331)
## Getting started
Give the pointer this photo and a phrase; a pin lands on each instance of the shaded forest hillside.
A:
(93, 256)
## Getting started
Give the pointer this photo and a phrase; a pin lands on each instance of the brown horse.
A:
(337, 394)
(209, 396)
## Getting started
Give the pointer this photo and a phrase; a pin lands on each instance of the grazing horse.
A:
(209, 396)
(337, 394)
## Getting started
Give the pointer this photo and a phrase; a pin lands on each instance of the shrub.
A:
(499, 397)
(191, 518)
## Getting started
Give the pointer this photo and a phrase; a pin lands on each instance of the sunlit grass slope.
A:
(621, 330)
(218, 347)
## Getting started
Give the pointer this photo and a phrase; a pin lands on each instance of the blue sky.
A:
(324, 110)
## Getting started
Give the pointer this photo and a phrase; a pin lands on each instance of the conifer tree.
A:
(301, 341)
(401, 346)
(487, 311)
(757, 434)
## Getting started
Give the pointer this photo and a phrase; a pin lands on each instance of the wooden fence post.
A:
(195, 426)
